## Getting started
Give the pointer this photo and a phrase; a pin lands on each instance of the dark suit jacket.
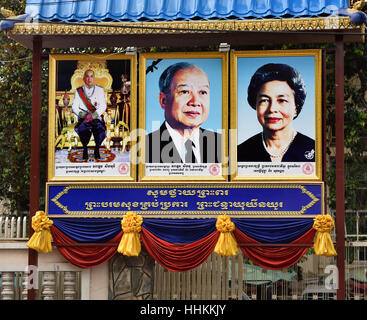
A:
(302, 149)
(160, 147)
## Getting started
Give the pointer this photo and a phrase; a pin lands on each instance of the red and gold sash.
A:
(85, 100)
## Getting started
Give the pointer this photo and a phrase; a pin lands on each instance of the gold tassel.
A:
(130, 241)
(226, 244)
(323, 245)
(41, 238)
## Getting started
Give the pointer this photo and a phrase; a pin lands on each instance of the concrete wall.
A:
(14, 257)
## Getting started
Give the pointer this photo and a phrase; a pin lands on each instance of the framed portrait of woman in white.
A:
(276, 118)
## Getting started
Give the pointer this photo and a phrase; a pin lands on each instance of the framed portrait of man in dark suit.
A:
(276, 115)
(183, 116)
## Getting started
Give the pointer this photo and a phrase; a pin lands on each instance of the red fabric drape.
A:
(179, 257)
(84, 256)
(182, 257)
(274, 258)
(356, 286)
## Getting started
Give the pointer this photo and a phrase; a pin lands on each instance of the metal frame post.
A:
(339, 144)
(35, 150)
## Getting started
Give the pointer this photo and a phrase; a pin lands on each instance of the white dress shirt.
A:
(179, 142)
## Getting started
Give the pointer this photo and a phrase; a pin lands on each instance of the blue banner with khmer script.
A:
(186, 200)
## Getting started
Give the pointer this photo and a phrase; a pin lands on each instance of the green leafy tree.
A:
(15, 120)
(355, 129)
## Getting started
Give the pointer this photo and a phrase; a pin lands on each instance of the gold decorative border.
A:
(186, 214)
(106, 28)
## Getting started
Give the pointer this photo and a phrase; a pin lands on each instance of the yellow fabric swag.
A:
(130, 240)
(41, 238)
(226, 244)
(323, 245)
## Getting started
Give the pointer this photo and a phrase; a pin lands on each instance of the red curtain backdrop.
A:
(84, 256)
(274, 258)
(179, 257)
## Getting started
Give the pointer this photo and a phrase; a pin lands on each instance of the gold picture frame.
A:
(116, 74)
(152, 119)
(250, 159)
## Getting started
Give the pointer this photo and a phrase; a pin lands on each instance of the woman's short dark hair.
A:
(280, 72)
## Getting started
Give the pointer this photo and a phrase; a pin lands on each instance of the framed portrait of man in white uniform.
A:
(92, 118)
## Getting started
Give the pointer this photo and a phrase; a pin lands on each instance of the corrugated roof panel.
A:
(134, 10)
(100, 8)
(223, 6)
(64, 10)
(116, 7)
(325, 6)
(84, 9)
(242, 6)
(153, 8)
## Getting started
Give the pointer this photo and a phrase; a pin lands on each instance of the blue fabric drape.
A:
(89, 229)
(185, 230)
(273, 230)
(180, 230)
(183, 244)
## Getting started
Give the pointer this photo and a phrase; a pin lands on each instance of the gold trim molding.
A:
(295, 24)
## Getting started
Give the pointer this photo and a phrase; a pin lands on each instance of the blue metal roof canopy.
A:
(107, 23)
(168, 10)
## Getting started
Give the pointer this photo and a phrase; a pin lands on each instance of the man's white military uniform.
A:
(95, 96)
